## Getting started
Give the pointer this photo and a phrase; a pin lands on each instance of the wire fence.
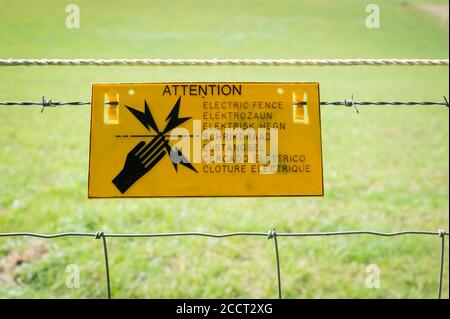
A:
(44, 103)
(272, 234)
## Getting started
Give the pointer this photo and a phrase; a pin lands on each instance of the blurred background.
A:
(385, 169)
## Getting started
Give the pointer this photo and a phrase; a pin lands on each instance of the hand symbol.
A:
(139, 161)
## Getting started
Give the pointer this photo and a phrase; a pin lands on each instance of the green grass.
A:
(385, 169)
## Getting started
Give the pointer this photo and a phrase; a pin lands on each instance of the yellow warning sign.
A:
(205, 139)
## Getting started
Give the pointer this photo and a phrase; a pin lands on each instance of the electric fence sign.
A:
(205, 139)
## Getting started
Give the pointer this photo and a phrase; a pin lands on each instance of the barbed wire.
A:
(272, 234)
(347, 103)
(45, 103)
(223, 62)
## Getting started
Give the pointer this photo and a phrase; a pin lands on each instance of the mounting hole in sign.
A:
(280, 91)
(130, 91)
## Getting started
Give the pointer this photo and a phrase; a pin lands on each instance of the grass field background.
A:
(385, 169)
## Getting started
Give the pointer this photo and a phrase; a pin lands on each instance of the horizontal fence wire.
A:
(346, 103)
(43, 103)
(272, 234)
(223, 62)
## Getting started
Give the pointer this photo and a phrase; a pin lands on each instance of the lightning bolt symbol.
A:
(146, 117)
(147, 120)
(174, 121)
(173, 118)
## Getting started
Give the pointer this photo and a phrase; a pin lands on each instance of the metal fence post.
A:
(101, 235)
(273, 234)
(441, 234)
